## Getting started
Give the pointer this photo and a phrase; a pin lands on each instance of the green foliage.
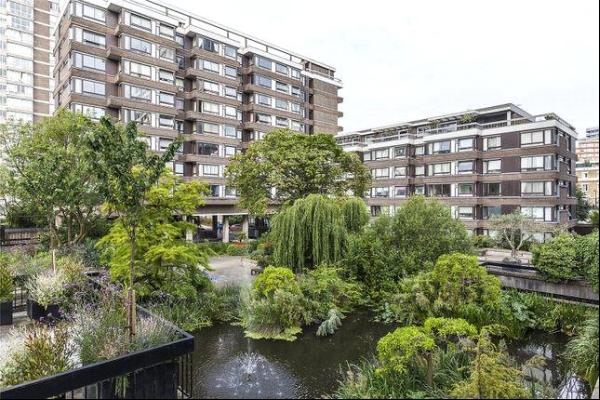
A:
(582, 351)
(273, 279)
(397, 349)
(556, 259)
(356, 215)
(164, 261)
(295, 166)
(482, 241)
(48, 288)
(6, 284)
(49, 176)
(587, 257)
(308, 233)
(516, 230)
(583, 206)
(211, 306)
(595, 219)
(46, 351)
(446, 328)
(331, 324)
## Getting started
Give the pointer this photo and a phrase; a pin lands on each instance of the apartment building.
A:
(174, 73)
(26, 59)
(482, 163)
(587, 165)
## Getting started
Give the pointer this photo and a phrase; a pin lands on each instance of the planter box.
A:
(36, 311)
(6, 313)
(157, 382)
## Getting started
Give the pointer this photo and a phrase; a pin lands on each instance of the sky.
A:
(402, 60)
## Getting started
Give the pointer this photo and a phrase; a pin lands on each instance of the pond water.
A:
(229, 365)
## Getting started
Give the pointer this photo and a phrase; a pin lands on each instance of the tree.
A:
(588, 257)
(308, 233)
(287, 166)
(48, 175)
(583, 206)
(355, 213)
(126, 172)
(165, 263)
(556, 259)
(516, 229)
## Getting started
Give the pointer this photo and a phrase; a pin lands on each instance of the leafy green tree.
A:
(126, 172)
(583, 206)
(355, 213)
(588, 258)
(556, 259)
(47, 174)
(310, 232)
(516, 229)
(294, 166)
(594, 218)
(165, 263)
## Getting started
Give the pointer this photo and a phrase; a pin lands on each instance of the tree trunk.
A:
(131, 318)
(429, 360)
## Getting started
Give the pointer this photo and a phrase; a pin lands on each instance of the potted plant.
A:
(6, 296)
(45, 294)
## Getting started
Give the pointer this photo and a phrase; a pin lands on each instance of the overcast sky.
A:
(402, 60)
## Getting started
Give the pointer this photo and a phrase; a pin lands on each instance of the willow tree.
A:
(310, 232)
(355, 213)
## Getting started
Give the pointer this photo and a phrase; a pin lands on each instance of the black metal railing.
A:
(164, 371)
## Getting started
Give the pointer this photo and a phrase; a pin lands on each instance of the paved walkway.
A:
(231, 270)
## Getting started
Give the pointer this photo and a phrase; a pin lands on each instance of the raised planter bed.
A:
(6, 313)
(37, 312)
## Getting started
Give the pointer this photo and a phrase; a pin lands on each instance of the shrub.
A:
(46, 351)
(587, 257)
(556, 259)
(272, 279)
(582, 351)
(397, 349)
(47, 288)
(482, 241)
(6, 285)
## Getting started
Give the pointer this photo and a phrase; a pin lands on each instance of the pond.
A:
(229, 365)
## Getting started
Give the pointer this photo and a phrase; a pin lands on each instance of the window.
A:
(465, 213)
(166, 121)
(280, 121)
(166, 31)
(282, 69)
(538, 213)
(230, 151)
(465, 144)
(399, 172)
(264, 63)
(419, 150)
(230, 92)
(465, 167)
(230, 71)
(297, 126)
(180, 61)
(532, 138)
(141, 46)
(399, 152)
(230, 191)
(212, 170)
(263, 100)
(419, 190)
(179, 126)
(464, 189)
(209, 45)
(490, 212)
(231, 112)
(93, 13)
(140, 70)
(382, 154)
(439, 190)
(211, 87)
(282, 87)
(179, 39)
(210, 66)
(441, 147)
(380, 192)
(163, 144)
(281, 104)
(230, 131)
(492, 189)
(263, 118)
(440, 169)
(297, 92)
(230, 52)
(419, 170)
(166, 99)
(263, 81)
(215, 191)
(210, 128)
(492, 143)
(297, 109)
(178, 168)
(167, 53)
(537, 163)
(166, 76)
(380, 173)
(141, 22)
(208, 149)
(211, 108)
(536, 188)
(141, 117)
(492, 166)
(93, 39)
(91, 62)
(92, 87)
(401, 191)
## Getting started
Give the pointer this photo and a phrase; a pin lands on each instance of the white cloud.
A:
(407, 60)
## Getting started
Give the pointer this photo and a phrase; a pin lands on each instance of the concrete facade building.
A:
(178, 74)
(481, 163)
(588, 158)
